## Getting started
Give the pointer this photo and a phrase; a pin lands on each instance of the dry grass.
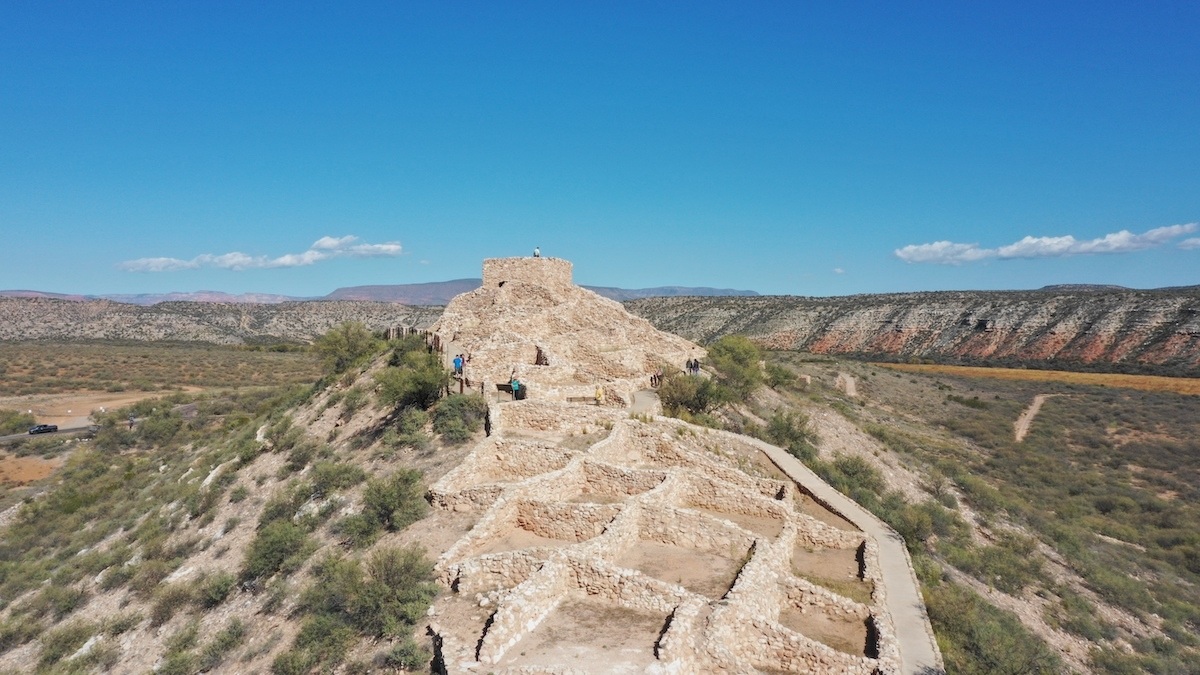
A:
(1177, 385)
(48, 367)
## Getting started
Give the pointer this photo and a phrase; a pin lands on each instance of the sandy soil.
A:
(844, 634)
(589, 637)
(24, 470)
(767, 527)
(699, 572)
(73, 409)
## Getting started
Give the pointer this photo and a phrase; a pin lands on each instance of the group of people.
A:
(459, 362)
(656, 378)
(692, 366)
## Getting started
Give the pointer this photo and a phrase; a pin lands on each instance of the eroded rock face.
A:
(530, 319)
(1149, 328)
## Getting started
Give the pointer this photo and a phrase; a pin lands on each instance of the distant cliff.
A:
(222, 323)
(1157, 330)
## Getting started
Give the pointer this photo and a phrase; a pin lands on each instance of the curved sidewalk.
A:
(919, 653)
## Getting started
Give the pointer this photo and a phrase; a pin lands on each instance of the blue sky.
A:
(790, 148)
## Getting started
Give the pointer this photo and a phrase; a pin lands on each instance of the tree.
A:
(737, 359)
(345, 344)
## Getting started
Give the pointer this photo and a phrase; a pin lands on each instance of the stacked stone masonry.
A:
(566, 532)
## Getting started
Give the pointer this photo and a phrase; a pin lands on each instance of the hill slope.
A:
(1159, 328)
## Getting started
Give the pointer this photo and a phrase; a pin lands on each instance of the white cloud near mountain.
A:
(952, 253)
(324, 248)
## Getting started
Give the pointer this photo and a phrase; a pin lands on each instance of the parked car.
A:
(44, 429)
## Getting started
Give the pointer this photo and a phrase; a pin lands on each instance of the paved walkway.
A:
(919, 653)
(918, 648)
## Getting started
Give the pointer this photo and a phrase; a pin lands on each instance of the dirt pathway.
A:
(1021, 426)
(848, 384)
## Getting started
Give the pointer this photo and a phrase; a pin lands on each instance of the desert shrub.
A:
(147, 575)
(458, 416)
(418, 381)
(778, 376)
(57, 601)
(177, 663)
(168, 600)
(687, 393)
(121, 623)
(790, 430)
(345, 602)
(215, 589)
(239, 494)
(357, 530)
(345, 345)
(17, 631)
(397, 501)
(409, 431)
(227, 639)
(1010, 564)
(328, 477)
(977, 638)
(64, 641)
(293, 662)
(298, 457)
(15, 422)
(280, 545)
(407, 655)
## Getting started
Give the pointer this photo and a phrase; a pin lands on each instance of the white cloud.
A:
(951, 253)
(945, 252)
(838, 270)
(322, 249)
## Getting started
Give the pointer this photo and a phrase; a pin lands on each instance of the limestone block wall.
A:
(567, 522)
(540, 415)
(496, 571)
(537, 271)
(649, 471)
(688, 529)
(523, 609)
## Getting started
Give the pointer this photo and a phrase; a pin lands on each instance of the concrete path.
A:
(919, 653)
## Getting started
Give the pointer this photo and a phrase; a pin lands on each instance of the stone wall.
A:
(546, 272)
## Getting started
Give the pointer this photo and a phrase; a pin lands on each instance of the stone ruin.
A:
(530, 320)
(615, 542)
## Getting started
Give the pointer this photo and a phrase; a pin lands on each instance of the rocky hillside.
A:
(1156, 329)
(222, 323)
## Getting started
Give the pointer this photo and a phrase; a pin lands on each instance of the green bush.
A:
(977, 638)
(328, 477)
(229, 637)
(168, 600)
(64, 641)
(345, 345)
(215, 589)
(737, 361)
(14, 422)
(281, 545)
(458, 416)
(418, 381)
(681, 393)
(791, 431)
(397, 501)
(408, 655)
